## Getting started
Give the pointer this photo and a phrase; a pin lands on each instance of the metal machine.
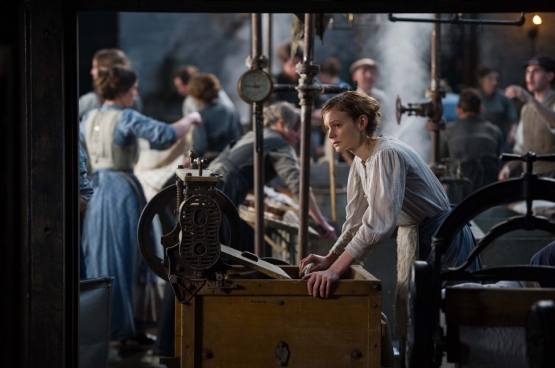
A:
(190, 213)
(427, 341)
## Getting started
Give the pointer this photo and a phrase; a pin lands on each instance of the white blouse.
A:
(394, 187)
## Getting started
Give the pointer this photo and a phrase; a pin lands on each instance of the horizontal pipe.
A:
(457, 20)
(320, 88)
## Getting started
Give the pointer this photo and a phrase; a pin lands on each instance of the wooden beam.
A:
(52, 242)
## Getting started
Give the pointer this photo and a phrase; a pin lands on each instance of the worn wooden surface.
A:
(242, 327)
(51, 182)
(254, 264)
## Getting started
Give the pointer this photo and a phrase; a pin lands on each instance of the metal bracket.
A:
(184, 293)
(282, 353)
(221, 285)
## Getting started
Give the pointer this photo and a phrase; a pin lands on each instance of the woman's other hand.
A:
(319, 283)
(320, 263)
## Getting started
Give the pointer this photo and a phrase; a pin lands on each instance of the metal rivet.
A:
(207, 354)
(356, 354)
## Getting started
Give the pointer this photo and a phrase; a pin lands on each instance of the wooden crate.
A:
(243, 327)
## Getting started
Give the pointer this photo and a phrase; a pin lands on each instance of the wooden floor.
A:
(137, 356)
(140, 356)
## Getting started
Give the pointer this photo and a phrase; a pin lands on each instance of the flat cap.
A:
(544, 61)
(363, 62)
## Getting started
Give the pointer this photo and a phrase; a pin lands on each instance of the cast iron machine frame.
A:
(426, 338)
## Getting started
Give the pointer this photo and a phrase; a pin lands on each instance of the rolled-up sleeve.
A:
(160, 135)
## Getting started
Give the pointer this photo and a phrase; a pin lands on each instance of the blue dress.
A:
(109, 234)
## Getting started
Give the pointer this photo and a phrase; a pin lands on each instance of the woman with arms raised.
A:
(109, 238)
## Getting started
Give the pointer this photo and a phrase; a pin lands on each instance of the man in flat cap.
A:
(366, 72)
(536, 129)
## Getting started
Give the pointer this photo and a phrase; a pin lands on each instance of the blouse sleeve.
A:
(386, 190)
(134, 124)
(356, 207)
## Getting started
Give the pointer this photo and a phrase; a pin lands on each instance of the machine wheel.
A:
(163, 206)
(419, 341)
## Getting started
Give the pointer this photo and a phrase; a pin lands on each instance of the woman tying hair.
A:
(109, 236)
(389, 185)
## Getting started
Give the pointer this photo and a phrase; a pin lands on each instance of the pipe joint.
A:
(307, 69)
(257, 62)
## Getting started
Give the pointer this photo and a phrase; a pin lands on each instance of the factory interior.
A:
(217, 281)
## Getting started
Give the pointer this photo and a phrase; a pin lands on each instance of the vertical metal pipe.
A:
(307, 101)
(308, 50)
(436, 67)
(267, 24)
(435, 91)
(333, 196)
(256, 20)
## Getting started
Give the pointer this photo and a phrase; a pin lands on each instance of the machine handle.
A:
(529, 156)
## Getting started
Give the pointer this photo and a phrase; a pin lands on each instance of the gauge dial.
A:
(255, 86)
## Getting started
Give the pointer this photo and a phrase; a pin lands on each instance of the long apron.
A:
(415, 242)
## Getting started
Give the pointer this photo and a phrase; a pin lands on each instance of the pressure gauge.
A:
(255, 86)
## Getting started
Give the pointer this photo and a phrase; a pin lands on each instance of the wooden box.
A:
(264, 322)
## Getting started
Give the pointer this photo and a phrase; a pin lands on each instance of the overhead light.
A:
(537, 20)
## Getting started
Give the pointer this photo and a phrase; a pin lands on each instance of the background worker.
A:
(236, 163)
(536, 129)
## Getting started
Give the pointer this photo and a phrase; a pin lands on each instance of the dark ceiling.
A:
(321, 6)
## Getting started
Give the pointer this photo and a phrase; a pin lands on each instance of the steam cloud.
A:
(404, 51)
